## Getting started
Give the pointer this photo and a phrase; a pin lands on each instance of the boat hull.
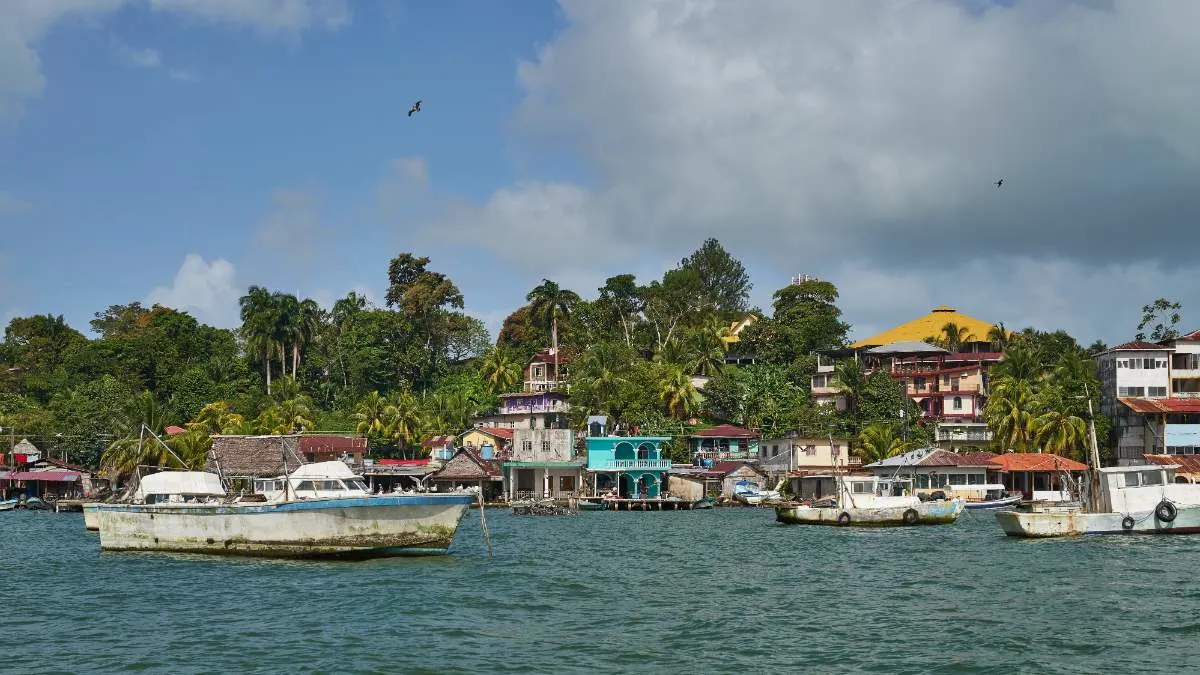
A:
(8, 504)
(1071, 523)
(1006, 503)
(928, 513)
(91, 521)
(364, 527)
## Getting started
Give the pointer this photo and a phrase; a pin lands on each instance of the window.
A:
(922, 480)
(355, 484)
(546, 445)
(1158, 392)
(1134, 363)
(1122, 364)
(958, 403)
(305, 485)
(527, 446)
(539, 372)
(1125, 392)
(566, 483)
(1186, 361)
(862, 488)
(958, 479)
(1129, 479)
(1152, 478)
(919, 383)
(974, 479)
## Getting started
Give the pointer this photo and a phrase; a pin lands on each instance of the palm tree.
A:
(851, 382)
(500, 370)
(192, 447)
(287, 325)
(258, 324)
(677, 393)
(953, 337)
(307, 323)
(1009, 412)
(1021, 362)
(548, 303)
(1060, 434)
(998, 337)
(403, 419)
(216, 418)
(881, 440)
(287, 417)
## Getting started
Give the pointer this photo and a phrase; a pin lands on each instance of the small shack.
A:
(732, 473)
(466, 469)
(1038, 475)
(241, 459)
(47, 479)
(389, 475)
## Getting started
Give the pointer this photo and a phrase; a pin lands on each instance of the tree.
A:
(1060, 434)
(547, 304)
(1010, 412)
(852, 383)
(621, 300)
(723, 279)
(668, 303)
(809, 310)
(884, 400)
(952, 338)
(881, 440)
(678, 395)
(998, 337)
(1164, 316)
(500, 370)
(259, 321)
(520, 334)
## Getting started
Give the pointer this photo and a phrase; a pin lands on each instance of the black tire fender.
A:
(844, 518)
(1165, 511)
(911, 517)
(1127, 523)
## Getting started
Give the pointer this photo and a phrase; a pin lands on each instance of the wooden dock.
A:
(649, 504)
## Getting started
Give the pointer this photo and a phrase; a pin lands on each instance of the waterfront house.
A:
(933, 469)
(544, 372)
(692, 483)
(797, 455)
(543, 464)
(722, 443)
(467, 469)
(490, 442)
(636, 466)
(1038, 475)
(1151, 393)
(440, 448)
(529, 410)
(737, 471)
(47, 479)
(387, 475)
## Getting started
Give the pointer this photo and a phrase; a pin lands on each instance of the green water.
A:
(706, 591)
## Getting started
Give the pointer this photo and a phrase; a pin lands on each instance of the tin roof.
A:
(724, 431)
(1036, 461)
(725, 468)
(1162, 405)
(1186, 463)
(495, 432)
(929, 325)
(1139, 345)
(935, 457)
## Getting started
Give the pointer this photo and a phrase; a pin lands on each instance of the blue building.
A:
(635, 465)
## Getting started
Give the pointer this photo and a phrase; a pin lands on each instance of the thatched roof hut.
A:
(254, 456)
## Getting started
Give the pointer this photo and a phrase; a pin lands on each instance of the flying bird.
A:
(998, 183)
(416, 108)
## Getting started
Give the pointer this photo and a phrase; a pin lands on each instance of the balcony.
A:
(635, 464)
(534, 409)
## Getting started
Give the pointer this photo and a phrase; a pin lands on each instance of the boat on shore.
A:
(871, 501)
(320, 510)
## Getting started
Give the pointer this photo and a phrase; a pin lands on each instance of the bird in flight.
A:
(416, 108)
(998, 183)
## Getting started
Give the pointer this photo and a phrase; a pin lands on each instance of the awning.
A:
(45, 476)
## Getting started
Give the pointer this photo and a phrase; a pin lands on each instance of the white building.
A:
(1151, 394)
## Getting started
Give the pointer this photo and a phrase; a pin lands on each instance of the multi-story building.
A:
(1150, 392)
(545, 373)
(950, 387)
(543, 402)
(543, 464)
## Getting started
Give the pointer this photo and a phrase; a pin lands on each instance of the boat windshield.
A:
(355, 484)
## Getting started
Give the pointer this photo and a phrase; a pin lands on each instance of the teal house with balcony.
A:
(636, 466)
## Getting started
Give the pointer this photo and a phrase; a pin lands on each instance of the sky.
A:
(178, 151)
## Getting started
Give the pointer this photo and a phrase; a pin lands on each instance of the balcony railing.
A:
(649, 464)
(528, 409)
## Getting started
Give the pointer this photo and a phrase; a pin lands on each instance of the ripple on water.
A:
(717, 591)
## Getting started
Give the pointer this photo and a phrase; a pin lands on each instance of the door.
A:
(524, 482)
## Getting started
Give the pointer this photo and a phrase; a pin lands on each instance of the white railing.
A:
(652, 464)
(518, 409)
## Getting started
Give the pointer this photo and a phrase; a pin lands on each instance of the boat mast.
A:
(1093, 460)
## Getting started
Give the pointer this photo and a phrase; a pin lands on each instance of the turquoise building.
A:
(635, 465)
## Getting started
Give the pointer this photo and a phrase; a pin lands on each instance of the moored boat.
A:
(8, 504)
(321, 510)
(993, 497)
(871, 501)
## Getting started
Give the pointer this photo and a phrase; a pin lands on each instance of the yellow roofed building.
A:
(931, 325)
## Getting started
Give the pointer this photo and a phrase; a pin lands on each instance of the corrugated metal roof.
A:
(1162, 405)
(1139, 345)
(907, 347)
(929, 325)
(1036, 461)
(1186, 463)
(935, 457)
(724, 431)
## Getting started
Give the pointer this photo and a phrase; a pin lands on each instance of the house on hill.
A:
(723, 442)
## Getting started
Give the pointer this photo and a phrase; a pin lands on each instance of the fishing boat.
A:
(592, 505)
(1117, 500)
(704, 503)
(320, 510)
(871, 501)
(992, 496)
(8, 504)
(752, 495)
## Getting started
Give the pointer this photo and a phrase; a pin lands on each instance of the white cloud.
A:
(137, 57)
(405, 180)
(206, 290)
(810, 134)
(293, 227)
(183, 75)
(25, 22)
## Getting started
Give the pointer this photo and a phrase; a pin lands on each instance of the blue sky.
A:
(180, 150)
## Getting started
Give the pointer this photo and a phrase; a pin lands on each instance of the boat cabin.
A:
(857, 488)
(179, 487)
(322, 480)
(1126, 489)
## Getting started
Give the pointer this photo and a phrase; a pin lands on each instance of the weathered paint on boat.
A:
(928, 513)
(1004, 503)
(1076, 522)
(91, 521)
(356, 527)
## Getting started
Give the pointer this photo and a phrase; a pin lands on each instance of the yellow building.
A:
(930, 325)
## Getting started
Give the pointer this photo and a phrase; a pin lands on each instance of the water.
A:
(715, 591)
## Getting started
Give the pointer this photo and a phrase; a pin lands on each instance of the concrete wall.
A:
(687, 489)
(543, 445)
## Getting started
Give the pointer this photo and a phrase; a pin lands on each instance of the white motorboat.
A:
(873, 501)
(319, 510)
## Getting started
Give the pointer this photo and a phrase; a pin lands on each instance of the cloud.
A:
(182, 75)
(136, 57)
(293, 227)
(809, 134)
(206, 290)
(405, 180)
(28, 21)
(12, 205)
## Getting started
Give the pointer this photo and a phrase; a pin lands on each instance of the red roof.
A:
(974, 356)
(1186, 463)
(48, 476)
(1193, 336)
(332, 443)
(173, 430)
(1138, 345)
(941, 457)
(547, 356)
(1162, 405)
(1036, 461)
(437, 442)
(498, 432)
(725, 431)
(725, 468)
(401, 462)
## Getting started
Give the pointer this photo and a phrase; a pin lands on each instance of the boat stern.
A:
(1038, 524)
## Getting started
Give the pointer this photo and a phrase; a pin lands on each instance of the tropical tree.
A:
(500, 370)
(549, 303)
(1060, 434)
(259, 323)
(369, 415)
(287, 417)
(1010, 412)
(881, 440)
(952, 337)
(403, 419)
(851, 382)
(998, 337)
(1162, 316)
(216, 418)
(192, 448)
(677, 393)
(309, 317)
